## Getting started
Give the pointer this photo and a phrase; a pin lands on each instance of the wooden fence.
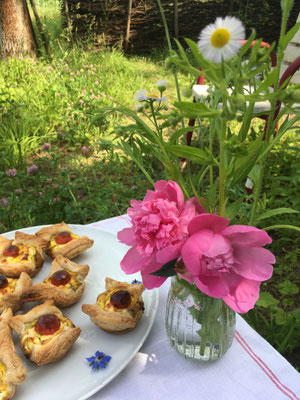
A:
(137, 26)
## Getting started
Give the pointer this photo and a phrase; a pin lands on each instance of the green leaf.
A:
(247, 45)
(276, 211)
(266, 300)
(176, 135)
(191, 153)
(282, 317)
(244, 164)
(196, 110)
(267, 83)
(254, 174)
(166, 270)
(288, 288)
(233, 208)
(203, 63)
(289, 35)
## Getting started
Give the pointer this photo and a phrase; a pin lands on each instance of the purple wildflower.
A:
(11, 172)
(85, 151)
(4, 203)
(46, 147)
(32, 170)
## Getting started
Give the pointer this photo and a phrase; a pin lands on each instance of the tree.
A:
(16, 32)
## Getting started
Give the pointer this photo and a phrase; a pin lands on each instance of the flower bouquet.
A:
(198, 225)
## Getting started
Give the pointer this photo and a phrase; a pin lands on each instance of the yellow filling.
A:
(220, 37)
(103, 301)
(31, 337)
(26, 254)
(74, 284)
(10, 288)
(55, 247)
(3, 386)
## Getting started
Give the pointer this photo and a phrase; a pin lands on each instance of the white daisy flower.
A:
(161, 85)
(155, 98)
(141, 95)
(221, 40)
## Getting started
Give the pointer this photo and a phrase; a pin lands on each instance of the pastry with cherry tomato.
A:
(12, 372)
(119, 308)
(46, 334)
(24, 253)
(65, 283)
(61, 240)
(12, 291)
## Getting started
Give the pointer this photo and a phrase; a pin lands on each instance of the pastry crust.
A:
(44, 349)
(63, 295)
(71, 249)
(110, 318)
(12, 371)
(11, 296)
(31, 256)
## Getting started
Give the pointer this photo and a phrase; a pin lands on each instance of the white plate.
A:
(72, 376)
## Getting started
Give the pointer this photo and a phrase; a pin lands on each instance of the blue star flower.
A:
(99, 360)
(135, 282)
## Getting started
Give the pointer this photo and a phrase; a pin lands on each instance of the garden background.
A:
(55, 167)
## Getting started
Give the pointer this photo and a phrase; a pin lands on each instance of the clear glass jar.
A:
(199, 327)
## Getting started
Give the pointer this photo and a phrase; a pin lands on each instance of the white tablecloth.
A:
(251, 368)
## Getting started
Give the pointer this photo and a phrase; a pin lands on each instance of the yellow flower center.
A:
(152, 95)
(220, 37)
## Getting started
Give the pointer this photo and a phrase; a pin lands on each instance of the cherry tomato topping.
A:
(3, 282)
(120, 299)
(11, 251)
(63, 238)
(60, 278)
(47, 324)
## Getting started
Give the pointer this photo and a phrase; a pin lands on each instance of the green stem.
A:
(162, 13)
(222, 173)
(161, 10)
(269, 228)
(154, 118)
(257, 190)
(271, 122)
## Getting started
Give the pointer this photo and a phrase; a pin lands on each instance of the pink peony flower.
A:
(159, 229)
(227, 262)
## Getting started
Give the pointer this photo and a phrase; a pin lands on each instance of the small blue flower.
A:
(136, 282)
(99, 360)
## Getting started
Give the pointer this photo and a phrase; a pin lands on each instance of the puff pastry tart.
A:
(23, 254)
(12, 290)
(64, 285)
(61, 240)
(119, 308)
(12, 372)
(46, 334)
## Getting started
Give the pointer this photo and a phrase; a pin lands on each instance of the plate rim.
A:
(154, 300)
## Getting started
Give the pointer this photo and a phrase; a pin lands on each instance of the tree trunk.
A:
(17, 37)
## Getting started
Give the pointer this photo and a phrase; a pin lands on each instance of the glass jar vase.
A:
(199, 327)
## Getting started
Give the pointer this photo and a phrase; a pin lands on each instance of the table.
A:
(251, 368)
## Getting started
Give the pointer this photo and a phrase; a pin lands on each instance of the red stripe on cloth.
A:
(291, 395)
